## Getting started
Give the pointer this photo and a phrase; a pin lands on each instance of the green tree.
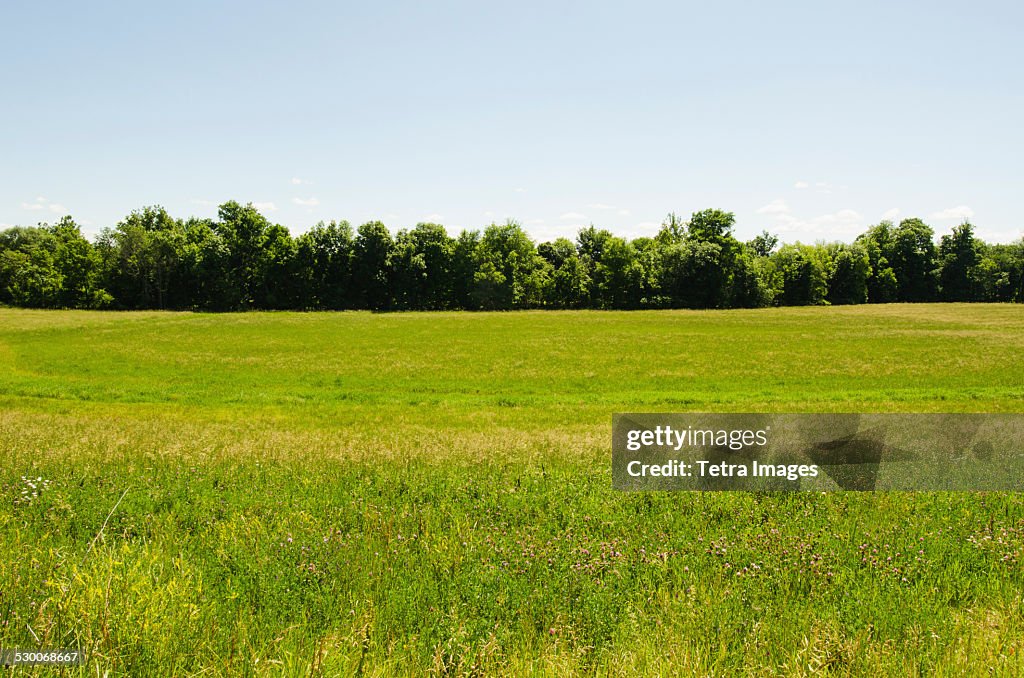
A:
(371, 266)
(618, 276)
(878, 243)
(255, 260)
(51, 266)
(324, 260)
(570, 279)
(959, 254)
(748, 290)
(803, 276)
(465, 258)
(201, 268)
(697, 267)
(848, 271)
(28, 274)
(141, 258)
(80, 266)
(763, 244)
(914, 261)
(422, 267)
(510, 272)
(1009, 260)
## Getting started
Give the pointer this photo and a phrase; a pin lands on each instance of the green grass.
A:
(411, 493)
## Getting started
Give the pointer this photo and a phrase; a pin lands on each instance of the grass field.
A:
(336, 494)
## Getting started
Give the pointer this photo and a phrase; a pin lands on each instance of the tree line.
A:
(240, 261)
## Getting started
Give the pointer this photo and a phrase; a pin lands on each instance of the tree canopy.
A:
(240, 261)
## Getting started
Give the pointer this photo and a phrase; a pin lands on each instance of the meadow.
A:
(412, 493)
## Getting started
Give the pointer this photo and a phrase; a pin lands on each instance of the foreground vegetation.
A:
(403, 493)
(242, 261)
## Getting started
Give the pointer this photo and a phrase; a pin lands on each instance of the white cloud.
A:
(1000, 236)
(42, 203)
(891, 215)
(958, 212)
(296, 181)
(432, 219)
(520, 190)
(777, 206)
(306, 202)
(535, 222)
(201, 202)
(643, 229)
(265, 206)
(842, 216)
(843, 223)
(621, 211)
(819, 186)
(573, 216)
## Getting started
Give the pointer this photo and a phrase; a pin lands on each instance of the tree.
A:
(690, 274)
(848, 270)
(959, 253)
(324, 261)
(649, 261)
(618, 276)
(254, 261)
(557, 252)
(712, 226)
(465, 256)
(279, 288)
(490, 287)
(141, 258)
(673, 229)
(804, 280)
(371, 266)
(201, 268)
(763, 244)
(241, 261)
(989, 281)
(511, 273)
(696, 268)
(569, 277)
(878, 243)
(748, 290)
(28, 274)
(590, 243)
(422, 265)
(51, 266)
(1009, 260)
(79, 265)
(914, 261)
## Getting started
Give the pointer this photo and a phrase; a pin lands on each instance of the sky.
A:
(812, 120)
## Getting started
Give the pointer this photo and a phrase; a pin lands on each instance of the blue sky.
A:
(810, 119)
